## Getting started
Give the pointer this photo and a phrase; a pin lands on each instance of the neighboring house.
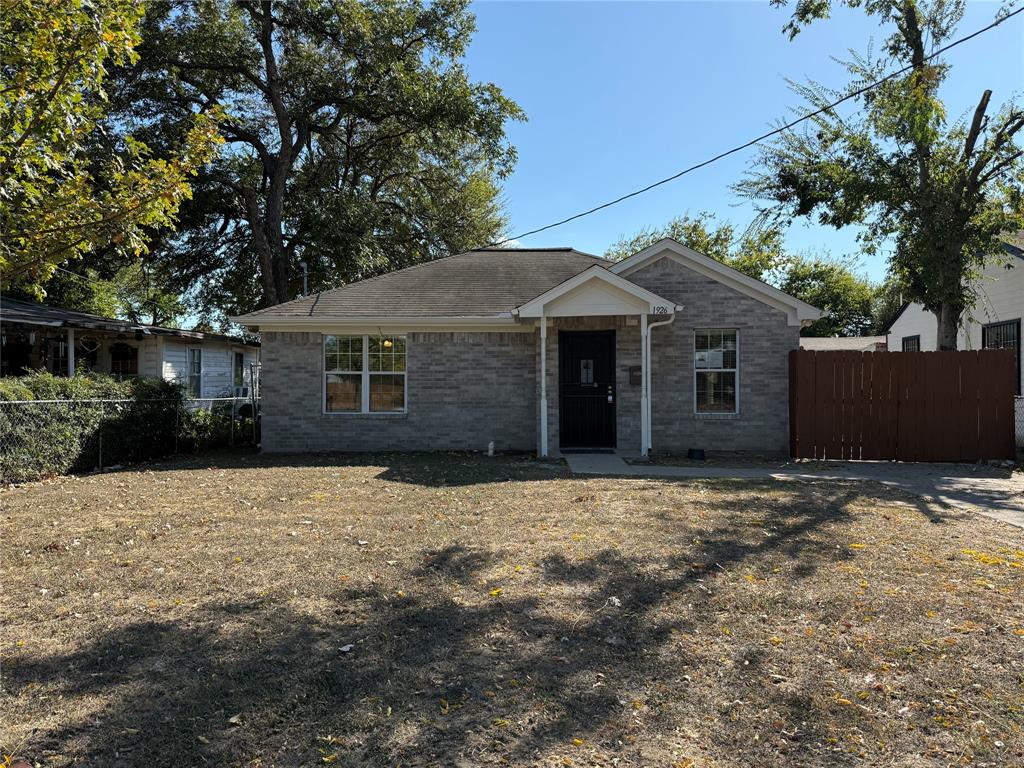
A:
(542, 350)
(35, 336)
(994, 322)
(844, 343)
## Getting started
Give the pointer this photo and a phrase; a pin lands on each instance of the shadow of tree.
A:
(432, 678)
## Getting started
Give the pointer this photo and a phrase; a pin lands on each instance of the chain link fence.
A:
(39, 438)
(1019, 423)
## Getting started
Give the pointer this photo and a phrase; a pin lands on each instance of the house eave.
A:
(392, 323)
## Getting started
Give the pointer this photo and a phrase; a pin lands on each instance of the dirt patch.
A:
(467, 611)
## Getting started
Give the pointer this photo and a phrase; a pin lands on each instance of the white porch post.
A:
(644, 426)
(71, 351)
(543, 384)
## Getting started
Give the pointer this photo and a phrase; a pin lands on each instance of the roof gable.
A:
(595, 291)
(798, 311)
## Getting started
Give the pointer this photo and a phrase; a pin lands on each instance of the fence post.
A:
(177, 422)
(231, 417)
(103, 414)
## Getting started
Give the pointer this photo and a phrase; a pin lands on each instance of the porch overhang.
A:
(595, 291)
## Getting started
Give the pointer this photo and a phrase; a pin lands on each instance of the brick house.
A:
(540, 350)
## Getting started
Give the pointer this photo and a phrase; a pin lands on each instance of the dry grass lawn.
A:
(462, 611)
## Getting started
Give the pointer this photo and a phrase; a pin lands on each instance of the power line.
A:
(759, 139)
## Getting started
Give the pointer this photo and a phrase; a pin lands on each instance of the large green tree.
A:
(356, 141)
(58, 201)
(937, 193)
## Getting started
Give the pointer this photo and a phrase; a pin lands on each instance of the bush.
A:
(40, 439)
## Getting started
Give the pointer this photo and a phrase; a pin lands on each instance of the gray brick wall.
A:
(765, 340)
(464, 390)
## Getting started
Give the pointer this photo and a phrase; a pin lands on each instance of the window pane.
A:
(387, 392)
(714, 349)
(344, 392)
(716, 392)
(387, 353)
(343, 353)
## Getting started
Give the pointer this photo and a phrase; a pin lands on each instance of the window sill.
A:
(370, 414)
(716, 416)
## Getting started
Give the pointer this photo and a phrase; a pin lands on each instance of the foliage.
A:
(941, 193)
(885, 306)
(135, 293)
(57, 200)
(74, 424)
(831, 285)
(355, 140)
(755, 252)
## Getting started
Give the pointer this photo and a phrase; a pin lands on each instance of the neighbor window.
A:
(716, 365)
(239, 369)
(364, 374)
(1004, 335)
(911, 343)
(195, 371)
(124, 360)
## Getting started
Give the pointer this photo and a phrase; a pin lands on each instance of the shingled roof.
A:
(482, 283)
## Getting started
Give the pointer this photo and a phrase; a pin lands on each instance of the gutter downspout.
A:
(543, 384)
(646, 385)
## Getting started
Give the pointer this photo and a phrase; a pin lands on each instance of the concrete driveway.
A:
(991, 491)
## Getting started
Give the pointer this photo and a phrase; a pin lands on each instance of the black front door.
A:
(586, 389)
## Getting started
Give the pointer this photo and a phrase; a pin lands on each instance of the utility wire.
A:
(781, 129)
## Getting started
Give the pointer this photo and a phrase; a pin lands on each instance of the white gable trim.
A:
(799, 312)
(645, 301)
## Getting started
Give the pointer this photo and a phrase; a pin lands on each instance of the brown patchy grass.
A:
(501, 612)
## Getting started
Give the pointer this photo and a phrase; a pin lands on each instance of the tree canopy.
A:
(938, 193)
(355, 141)
(58, 200)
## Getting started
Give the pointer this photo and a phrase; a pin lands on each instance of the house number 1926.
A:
(661, 310)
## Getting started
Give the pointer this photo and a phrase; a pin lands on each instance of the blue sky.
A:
(620, 94)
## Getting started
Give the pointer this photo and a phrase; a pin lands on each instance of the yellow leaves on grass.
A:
(444, 706)
(577, 742)
(496, 592)
(858, 546)
(1013, 559)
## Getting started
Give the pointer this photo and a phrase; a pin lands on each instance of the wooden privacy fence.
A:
(902, 406)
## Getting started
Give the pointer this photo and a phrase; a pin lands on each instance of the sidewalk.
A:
(989, 491)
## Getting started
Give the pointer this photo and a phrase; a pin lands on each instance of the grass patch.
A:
(457, 610)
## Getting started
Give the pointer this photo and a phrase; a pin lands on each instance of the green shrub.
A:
(40, 439)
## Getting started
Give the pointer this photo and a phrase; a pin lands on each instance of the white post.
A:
(644, 426)
(543, 384)
(71, 351)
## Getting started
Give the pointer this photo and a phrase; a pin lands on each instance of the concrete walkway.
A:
(989, 491)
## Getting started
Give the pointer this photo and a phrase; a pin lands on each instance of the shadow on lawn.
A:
(431, 680)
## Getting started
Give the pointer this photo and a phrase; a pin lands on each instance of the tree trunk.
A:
(948, 320)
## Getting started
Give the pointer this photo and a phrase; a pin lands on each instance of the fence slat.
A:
(905, 406)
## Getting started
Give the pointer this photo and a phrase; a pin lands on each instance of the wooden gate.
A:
(902, 406)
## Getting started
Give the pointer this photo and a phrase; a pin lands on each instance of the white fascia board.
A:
(655, 303)
(799, 312)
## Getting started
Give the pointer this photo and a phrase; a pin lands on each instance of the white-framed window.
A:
(195, 371)
(364, 374)
(716, 370)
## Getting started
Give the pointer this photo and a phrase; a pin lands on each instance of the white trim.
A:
(646, 379)
(799, 312)
(543, 384)
(655, 304)
(736, 370)
(364, 378)
(644, 364)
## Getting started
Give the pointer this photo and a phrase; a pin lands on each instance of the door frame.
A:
(613, 439)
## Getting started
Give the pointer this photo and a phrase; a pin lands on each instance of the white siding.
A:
(218, 365)
(1000, 297)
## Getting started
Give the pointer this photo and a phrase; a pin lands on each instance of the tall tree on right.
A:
(937, 193)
